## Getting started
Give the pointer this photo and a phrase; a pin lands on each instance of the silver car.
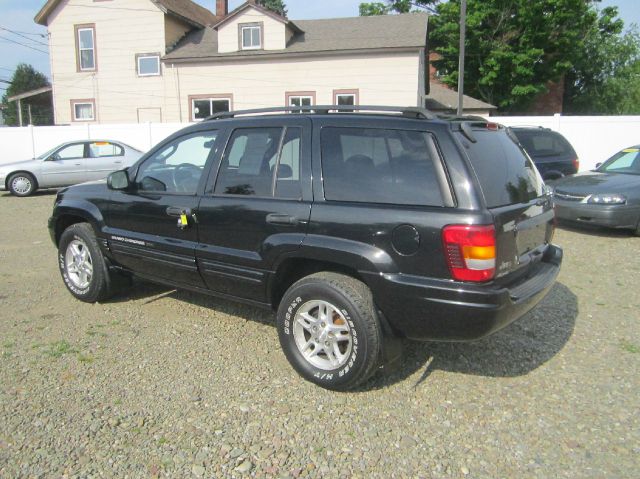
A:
(67, 164)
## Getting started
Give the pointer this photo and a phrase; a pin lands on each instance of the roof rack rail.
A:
(410, 112)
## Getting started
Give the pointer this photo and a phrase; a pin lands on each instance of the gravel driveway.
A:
(159, 383)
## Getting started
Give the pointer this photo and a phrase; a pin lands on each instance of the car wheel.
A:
(22, 184)
(329, 330)
(82, 265)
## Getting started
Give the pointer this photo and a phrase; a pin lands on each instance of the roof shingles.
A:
(326, 35)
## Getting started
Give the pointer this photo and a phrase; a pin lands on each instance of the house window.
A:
(148, 64)
(86, 47)
(345, 97)
(251, 36)
(83, 110)
(307, 98)
(203, 106)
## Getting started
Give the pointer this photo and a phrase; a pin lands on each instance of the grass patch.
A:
(59, 349)
(9, 344)
(630, 347)
(85, 358)
(6, 354)
(163, 440)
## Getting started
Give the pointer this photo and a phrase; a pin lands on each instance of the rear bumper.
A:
(613, 216)
(428, 309)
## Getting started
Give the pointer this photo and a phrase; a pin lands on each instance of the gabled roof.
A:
(327, 35)
(185, 10)
(246, 6)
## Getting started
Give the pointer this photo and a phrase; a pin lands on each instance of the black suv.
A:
(357, 227)
(550, 151)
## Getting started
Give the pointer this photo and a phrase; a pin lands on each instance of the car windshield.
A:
(626, 161)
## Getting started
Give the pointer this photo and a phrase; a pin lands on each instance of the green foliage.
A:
(368, 9)
(277, 6)
(24, 79)
(605, 77)
(513, 48)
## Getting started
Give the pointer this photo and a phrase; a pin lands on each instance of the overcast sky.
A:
(17, 15)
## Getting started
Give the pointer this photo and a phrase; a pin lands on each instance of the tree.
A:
(368, 9)
(513, 48)
(277, 6)
(26, 78)
(605, 77)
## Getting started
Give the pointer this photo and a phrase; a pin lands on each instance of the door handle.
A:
(177, 212)
(278, 219)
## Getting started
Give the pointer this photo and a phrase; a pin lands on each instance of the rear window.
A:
(544, 143)
(371, 165)
(506, 174)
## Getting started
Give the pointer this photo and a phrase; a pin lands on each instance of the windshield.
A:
(626, 161)
(47, 154)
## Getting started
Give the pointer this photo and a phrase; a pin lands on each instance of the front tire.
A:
(329, 330)
(22, 184)
(82, 266)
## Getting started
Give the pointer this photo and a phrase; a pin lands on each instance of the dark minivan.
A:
(550, 151)
(356, 227)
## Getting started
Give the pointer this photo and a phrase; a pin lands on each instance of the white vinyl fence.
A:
(595, 138)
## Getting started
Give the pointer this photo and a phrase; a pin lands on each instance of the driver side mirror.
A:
(118, 180)
(598, 165)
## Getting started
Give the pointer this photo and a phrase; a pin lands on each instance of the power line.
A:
(30, 33)
(24, 36)
(24, 45)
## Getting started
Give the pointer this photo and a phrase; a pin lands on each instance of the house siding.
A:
(121, 33)
(274, 33)
(381, 79)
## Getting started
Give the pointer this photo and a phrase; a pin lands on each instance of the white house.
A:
(123, 61)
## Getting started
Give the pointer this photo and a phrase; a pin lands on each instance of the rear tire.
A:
(329, 330)
(22, 184)
(82, 266)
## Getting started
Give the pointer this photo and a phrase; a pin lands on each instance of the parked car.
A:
(607, 196)
(356, 228)
(550, 151)
(67, 164)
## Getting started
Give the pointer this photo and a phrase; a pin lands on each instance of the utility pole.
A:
(30, 119)
(463, 34)
(20, 111)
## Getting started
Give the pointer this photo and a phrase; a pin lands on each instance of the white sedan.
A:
(67, 164)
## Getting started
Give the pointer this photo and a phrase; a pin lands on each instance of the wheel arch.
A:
(31, 174)
(68, 215)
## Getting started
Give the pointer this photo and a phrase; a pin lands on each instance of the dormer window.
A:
(251, 36)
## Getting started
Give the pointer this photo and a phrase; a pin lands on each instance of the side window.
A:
(246, 168)
(288, 179)
(71, 152)
(100, 149)
(178, 167)
(380, 166)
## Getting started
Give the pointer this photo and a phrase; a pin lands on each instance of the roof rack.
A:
(410, 112)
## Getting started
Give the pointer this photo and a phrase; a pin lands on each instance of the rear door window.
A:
(505, 173)
(371, 165)
(544, 143)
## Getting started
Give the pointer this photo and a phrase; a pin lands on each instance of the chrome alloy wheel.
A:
(322, 335)
(21, 185)
(77, 261)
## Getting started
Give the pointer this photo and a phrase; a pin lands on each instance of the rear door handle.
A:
(278, 219)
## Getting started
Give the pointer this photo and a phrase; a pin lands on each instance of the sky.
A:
(17, 15)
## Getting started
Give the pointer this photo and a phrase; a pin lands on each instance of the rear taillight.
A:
(470, 251)
(576, 164)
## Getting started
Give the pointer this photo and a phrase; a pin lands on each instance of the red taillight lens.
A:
(576, 164)
(470, 251)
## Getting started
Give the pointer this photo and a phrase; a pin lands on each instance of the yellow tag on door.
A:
(183, 220)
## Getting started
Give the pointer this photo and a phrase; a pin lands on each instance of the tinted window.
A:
(505, 173)
(544, 143)
(380, 166)
(288, 179)
(178, 166)
(246, 168)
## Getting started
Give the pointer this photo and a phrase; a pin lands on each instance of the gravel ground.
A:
(159, 383)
